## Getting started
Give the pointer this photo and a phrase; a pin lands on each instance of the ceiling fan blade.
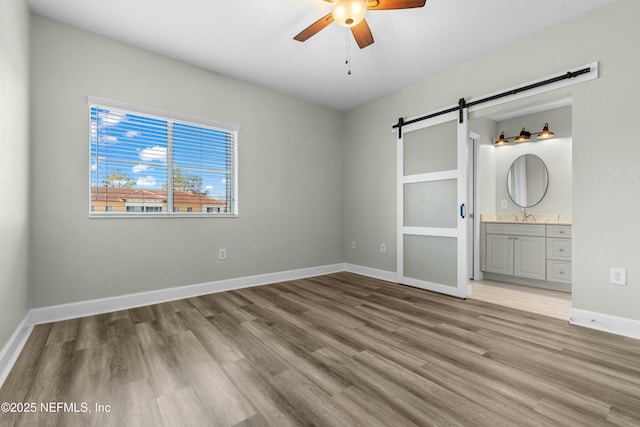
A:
(314, 28)
(362, 34)
(395, 4)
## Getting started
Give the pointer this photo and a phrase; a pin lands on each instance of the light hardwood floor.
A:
(334, 350)
(527, 298)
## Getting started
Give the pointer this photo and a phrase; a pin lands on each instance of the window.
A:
(149, 163)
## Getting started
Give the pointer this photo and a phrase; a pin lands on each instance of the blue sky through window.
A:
(131, 150)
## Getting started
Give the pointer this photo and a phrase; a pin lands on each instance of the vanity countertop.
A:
(494, 221)
(546, 219)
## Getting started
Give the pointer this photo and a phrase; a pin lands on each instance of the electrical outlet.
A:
(619, 276)
(383, 248)
(222, 254)
(353, 244)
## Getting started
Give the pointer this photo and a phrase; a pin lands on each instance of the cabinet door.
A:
(529, 257)
(499, 254)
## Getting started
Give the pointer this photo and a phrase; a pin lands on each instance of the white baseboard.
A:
(11, 350)
(388, 276)
(123, 302)
(605, 322)
(74, 310)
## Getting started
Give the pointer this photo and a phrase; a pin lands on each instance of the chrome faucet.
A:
(524, 215)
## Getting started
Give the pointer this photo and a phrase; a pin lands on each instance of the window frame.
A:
(125, 108)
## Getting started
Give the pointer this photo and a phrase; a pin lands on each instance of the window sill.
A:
(160, 215)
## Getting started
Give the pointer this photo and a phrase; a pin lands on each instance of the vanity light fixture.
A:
(502, 140)
(525, 136)
(546, 133)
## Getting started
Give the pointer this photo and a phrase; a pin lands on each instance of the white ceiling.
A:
(252, 40)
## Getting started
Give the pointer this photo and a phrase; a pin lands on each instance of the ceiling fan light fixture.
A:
(349, 13)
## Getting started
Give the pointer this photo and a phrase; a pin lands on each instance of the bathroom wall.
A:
(485, 163)
(555, 152)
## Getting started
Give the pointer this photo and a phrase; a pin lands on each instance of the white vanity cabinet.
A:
(516, 250)
(528, 254)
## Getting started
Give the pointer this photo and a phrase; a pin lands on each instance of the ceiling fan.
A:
(350, 14)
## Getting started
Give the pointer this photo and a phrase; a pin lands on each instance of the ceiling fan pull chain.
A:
(346, 48)
(348, 60)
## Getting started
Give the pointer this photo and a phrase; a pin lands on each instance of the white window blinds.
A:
(148, 163)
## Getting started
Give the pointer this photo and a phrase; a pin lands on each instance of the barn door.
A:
(432, 162)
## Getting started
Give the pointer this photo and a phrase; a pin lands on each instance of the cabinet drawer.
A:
(559, 249)
(559, 271)
(559, 231)
(517, 229)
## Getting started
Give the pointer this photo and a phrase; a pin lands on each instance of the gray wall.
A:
(14, 165)
(606, 176)
(290, 175)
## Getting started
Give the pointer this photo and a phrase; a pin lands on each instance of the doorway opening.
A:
(521, 254)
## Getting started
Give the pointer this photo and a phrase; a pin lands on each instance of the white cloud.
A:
(223, 181)
(110, 138)
(94, 167)
(112, 118)
(155, 153)
(140, 168)
(208, 187)
(147, 181)
(132, 133)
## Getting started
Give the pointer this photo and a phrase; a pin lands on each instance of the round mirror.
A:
(527, 180)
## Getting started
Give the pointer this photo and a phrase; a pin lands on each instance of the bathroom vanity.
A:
(528, 253)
